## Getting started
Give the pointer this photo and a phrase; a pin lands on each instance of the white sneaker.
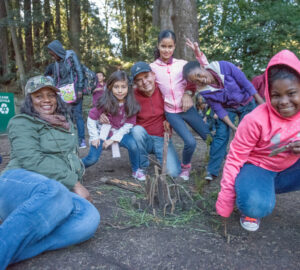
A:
(139, 175)
(249, 224)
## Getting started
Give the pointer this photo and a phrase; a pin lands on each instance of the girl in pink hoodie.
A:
(176, 93)
(264, 155)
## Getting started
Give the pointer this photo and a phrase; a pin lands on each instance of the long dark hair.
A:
(110, 103)
(27, 107)
(163, 34)
(281, 72)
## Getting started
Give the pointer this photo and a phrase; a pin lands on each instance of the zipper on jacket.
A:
(172, 91)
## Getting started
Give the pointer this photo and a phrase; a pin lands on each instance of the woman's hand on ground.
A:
(80, 190)
(95, 143)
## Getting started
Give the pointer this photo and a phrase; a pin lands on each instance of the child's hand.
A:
(107, 143)
(194, 46)
(104, 119)
(187, 102)
(295, 147)
(95, 143)
(167, 126)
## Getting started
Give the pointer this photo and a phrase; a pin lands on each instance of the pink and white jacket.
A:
(260, 132)
(170, 81)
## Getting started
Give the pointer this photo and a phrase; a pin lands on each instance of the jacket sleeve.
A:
(217, 107)
(202, 59)
(92, 126)
(78, 71)
(25, 144)
(119, 134)
(241, 79)
(245, 139)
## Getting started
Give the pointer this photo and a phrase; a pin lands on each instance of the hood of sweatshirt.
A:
(284, 57)
(56, 47)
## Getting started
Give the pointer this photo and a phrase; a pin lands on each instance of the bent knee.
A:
(138, 131)
(255, 205)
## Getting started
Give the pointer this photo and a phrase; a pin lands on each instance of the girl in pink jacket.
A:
(176, 94)
(264, 155)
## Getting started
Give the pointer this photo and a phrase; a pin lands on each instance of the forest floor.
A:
(193, 237)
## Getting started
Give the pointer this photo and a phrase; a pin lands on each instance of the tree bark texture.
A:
(179, 16)
(57, 20)
(28, 34)
(19, 60)
(37, 29)
(75, 26)
(4, 60)
(47, 23)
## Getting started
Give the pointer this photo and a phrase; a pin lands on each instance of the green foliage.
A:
(249, 31)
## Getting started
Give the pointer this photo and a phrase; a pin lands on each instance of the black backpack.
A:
(90, 80)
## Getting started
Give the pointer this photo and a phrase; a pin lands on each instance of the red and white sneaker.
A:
(139, 175)
(249, 224)
(185, 171)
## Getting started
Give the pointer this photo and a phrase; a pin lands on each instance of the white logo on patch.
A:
(4, 109)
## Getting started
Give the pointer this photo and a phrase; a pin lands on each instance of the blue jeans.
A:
(40, 214)
(127, 142)
(77, 113)
(149, 144)
(177, 121)
(256, 188)
(220, 140)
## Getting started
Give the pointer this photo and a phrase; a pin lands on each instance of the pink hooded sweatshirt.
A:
(170, 81)
(260, 132)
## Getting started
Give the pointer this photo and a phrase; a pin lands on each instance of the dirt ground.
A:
(192, 238)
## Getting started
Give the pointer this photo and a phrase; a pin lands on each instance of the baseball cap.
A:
(38, 82)
(138, 68)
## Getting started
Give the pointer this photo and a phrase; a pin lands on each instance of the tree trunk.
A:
(47, 23)
(3, 42)
(75, 26)
(16, 48)
(180, 17)
(37, 29)
(28, 34)
(19, 31)
(57, 20)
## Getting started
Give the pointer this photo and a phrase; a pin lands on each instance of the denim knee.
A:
(89, 161)
(254, 204)
(138, 132)
(191, 143)
(89, 218)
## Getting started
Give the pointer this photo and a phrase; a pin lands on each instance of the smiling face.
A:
(44, 101)
(200, 76)
(145, 81)
(120, 90)
(285, 96)
(166, 49)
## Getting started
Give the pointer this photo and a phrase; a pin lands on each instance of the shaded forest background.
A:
(242, 31)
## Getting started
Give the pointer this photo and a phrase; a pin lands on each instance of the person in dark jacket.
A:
(67, 69)
(44, 206)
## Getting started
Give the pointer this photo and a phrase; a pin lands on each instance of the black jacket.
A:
(69, 67)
